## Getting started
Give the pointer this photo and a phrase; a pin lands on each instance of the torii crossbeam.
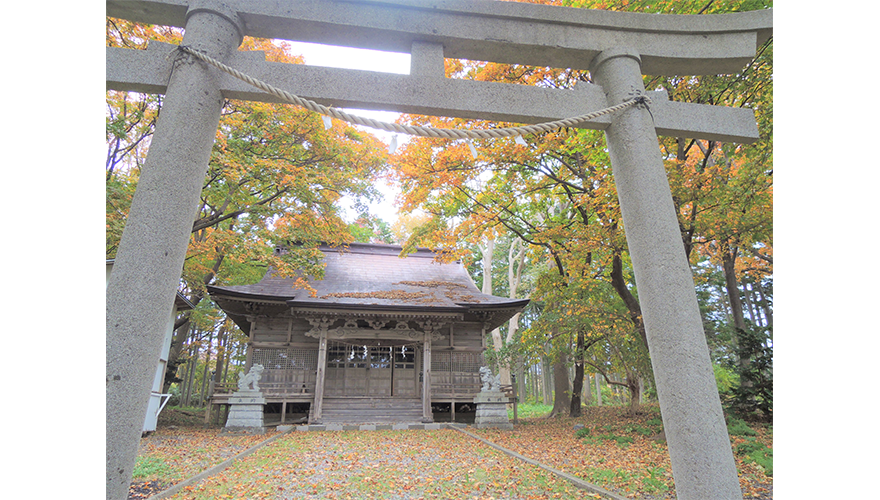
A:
(617, 48)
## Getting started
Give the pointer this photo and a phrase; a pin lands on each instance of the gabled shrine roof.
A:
(373, 276)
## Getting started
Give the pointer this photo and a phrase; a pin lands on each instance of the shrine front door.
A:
(370, 371)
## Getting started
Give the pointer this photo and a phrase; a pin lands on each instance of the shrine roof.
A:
(374, 276)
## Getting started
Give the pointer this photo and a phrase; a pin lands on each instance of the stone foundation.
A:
(491, 411)
(246, 413)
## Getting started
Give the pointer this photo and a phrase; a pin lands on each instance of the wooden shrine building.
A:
(383, 338)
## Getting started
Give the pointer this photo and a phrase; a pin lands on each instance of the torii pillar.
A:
(692, 416)
(153, 246)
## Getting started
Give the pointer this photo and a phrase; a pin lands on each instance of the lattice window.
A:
(468, 362)
(286, 358)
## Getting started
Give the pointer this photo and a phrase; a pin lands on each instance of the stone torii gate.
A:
(617, 48)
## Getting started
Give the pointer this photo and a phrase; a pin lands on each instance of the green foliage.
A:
(653, 482)
(147, 467)
(756, 452)
(637, 429)
(655, 422)
(622, 441)
(586, 435)
(530, 410)
(764, 458)
(737, 427)
(605, 476)
(748, 446)
(725, 378)
(368, 229)
(754, 396)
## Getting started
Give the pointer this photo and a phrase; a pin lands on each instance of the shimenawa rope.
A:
(408, 129)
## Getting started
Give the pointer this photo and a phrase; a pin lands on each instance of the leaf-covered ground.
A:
(616, 452)
(619, 452)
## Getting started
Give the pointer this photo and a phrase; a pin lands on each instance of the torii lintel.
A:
(504, 32)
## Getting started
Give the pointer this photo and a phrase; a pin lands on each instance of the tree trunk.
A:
(205, 377)
(181, 332)
(188, 378)
(598, 391)
(578, 385)
(546, 381)
(588, 390)
(561, 389)
(178, 341)
(765, 305)
(747, 298)
(222, 340)
(222, 361)
(497, 342)
(728, 264)
(722, 292)
(632, 304)
(536, 388)
(521, 385)
(634, 386)
(226, 361)
(514, 277)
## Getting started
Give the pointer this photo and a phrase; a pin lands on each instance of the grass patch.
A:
(586, 435)
(737, 427)
(653, 481)
(753, 451)
(637, 429)
(622, 441)
(656, 423)
(149, 468)
(530, 410)
(615, 477)
(764, 458)
(748, 446)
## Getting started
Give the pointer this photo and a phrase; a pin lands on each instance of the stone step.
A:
(351, 410)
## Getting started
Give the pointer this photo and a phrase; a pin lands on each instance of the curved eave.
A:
(519, 303)
(222, 292)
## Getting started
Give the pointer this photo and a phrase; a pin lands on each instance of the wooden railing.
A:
(442, 390)
(286, 391)
(510, 392)
(270, 390)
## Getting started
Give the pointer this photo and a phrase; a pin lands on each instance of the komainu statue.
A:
(491, 383)
(252, 378)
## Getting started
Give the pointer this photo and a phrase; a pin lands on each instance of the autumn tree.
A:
(275, 177)
(556, 192)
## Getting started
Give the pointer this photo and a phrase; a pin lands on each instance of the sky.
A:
(371, 60)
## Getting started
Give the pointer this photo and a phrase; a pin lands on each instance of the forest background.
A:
(823, 189)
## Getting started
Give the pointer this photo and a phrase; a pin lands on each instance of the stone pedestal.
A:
(246, 412)
(491, 411)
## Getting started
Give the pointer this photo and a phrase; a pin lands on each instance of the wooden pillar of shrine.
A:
(427, 415)
(319, 379)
